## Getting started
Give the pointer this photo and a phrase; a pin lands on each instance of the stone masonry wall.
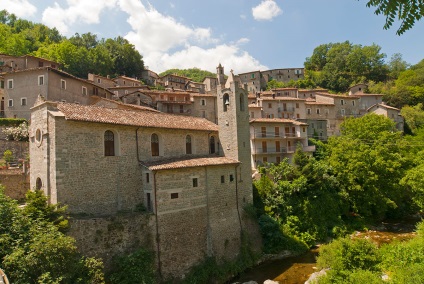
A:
(106, 237)
(16, 183)
(20, 149)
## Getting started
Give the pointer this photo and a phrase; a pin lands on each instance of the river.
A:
(297, 269)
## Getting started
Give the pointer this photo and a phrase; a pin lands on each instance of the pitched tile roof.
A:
(185, 162)
(134, 117)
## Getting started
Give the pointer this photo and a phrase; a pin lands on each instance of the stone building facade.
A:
(193, 176)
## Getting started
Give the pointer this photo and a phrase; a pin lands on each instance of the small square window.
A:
(195, 182)
(222, 179)
(23, 101)
(174, 195)
(231, 178)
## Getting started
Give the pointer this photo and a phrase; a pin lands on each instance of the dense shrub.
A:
(137, 267)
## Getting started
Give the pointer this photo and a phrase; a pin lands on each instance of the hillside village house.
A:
(389, 112)
(10, 63)
(273, 139)
(149, 77)
(105, 82)
(192, 174)
(22, 87)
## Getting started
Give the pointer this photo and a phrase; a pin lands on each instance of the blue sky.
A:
(241, 35)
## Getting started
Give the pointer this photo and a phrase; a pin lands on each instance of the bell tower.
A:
(234, 135)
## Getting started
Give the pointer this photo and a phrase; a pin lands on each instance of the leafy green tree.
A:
(33, 250)
(414, 116)
(137, 267)
(397, 65)
(196, 74)
(369, 163)
(337, 66)
(407, 12)
(126, 59)
(302, 198)
(408, 88)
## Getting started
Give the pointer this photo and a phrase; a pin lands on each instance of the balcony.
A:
(273, 135)
(286, 109)
(281, 150)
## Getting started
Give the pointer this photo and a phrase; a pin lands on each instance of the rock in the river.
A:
(270, 282)
(316, 275)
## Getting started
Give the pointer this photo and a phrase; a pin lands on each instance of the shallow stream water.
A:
(296, 270)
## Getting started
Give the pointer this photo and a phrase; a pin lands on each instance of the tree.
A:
(414, 117)
(126, 59)
(337, 66)
(396, 65)
(196, 74)
(406, 11)
(33, 250)
(369, 162)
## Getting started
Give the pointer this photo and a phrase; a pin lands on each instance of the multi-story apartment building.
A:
(124, 81)
(282, 107)
(253, 80)
(10, 63)
(256, 81)
(149, 77)
(22, 87)
(210, 84)
(173, 81)
(273, 139)
(284, 75)
(104, 82)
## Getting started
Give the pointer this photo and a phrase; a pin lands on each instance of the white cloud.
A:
(266, 10)
(21, 8)
(157, 36)
(163, 41)
(230, 56)
(78, 11)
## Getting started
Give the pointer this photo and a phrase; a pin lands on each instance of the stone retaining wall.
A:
(20, 149)
(106, 237)
(16, 183)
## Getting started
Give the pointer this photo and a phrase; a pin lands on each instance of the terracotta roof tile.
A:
(134, 117)
(184, 162)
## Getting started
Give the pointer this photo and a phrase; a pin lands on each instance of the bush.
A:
(359, 276)
(8, 156)
(347, 254)
(274, 240)
(18, 133)
(12, 121)
(137, 267)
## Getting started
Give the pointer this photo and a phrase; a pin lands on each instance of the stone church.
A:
(190, 175)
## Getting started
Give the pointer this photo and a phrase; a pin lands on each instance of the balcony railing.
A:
(281, 150)
(286, 109)
(275, 135)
